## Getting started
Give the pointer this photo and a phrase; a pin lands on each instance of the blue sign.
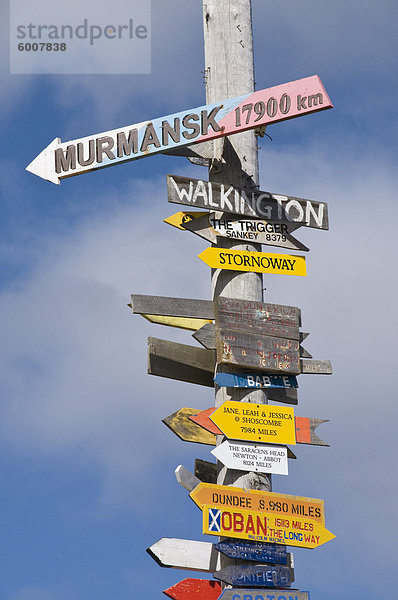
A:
(256, 551)
(255, 380)
(256, 575)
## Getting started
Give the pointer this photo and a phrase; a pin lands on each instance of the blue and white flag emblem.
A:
(214, 519)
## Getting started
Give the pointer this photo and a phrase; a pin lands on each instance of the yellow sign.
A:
(260, 526)
(279, 505)
(256, 422)
(257, 262)
(181, 217)
(192, 324)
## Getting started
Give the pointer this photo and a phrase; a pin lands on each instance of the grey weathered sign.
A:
(277, 208)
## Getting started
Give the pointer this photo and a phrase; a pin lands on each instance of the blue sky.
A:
(86, 466)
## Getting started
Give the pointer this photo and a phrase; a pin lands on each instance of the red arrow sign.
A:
(194, 589)
(203, 419)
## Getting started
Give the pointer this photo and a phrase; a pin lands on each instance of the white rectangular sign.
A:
(245, 456)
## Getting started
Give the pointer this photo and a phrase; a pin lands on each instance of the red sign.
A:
(194, 589)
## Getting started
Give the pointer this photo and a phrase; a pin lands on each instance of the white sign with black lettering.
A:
(245, 456)
(210, 227)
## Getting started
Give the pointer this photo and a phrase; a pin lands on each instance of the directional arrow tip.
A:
(42, 165)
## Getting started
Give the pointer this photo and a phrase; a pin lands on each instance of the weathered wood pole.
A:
(229, 72)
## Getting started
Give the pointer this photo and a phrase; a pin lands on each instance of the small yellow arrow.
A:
(178, 219)
(192, 324)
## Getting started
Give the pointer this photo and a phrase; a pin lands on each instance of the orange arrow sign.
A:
(203, 419)
(278, 505)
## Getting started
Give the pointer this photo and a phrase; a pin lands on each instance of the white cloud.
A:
(74, 357)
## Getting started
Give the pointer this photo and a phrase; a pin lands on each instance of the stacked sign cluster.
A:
(243, 344)
(261, 342)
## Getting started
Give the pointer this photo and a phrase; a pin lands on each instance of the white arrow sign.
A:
(185, 554)
(188, 480)
(166, 134)
(192, 555)
(210, 228)
(252, 457)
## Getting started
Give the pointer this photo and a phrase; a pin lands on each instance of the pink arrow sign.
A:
(232, 115)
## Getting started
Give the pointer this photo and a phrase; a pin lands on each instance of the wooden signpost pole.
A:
(229, 70)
